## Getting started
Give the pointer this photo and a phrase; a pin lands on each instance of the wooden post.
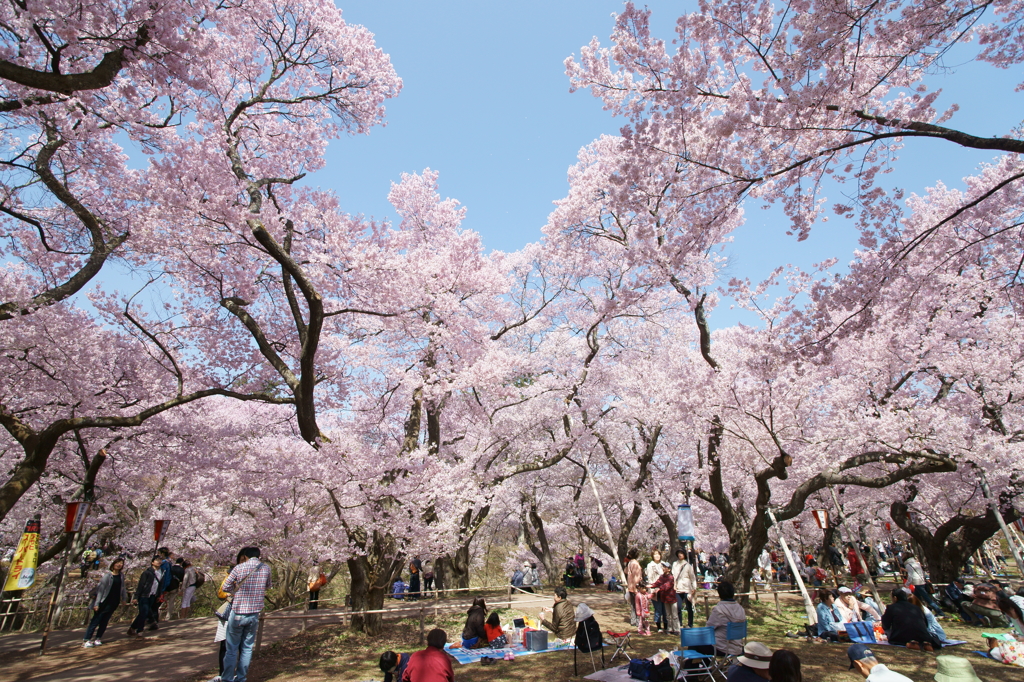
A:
(856, 549)
(259, 635)
(422, 618)
(1002, 523)
(56, 592)
(812, 615)
(757, 597)
(778, 609)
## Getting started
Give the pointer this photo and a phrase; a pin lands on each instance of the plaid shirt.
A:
(249, 582)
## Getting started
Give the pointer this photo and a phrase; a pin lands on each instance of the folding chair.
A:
(862, 632)
(593, 662)
(734, 632)
(703, 664)
(621, 641)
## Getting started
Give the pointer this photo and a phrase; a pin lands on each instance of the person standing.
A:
(189, 583)
(918, 583)
(684, 578)
(595, 570)
(428, 577)
(164, 583)
(856, 568)
(315, 582)
(665, 599)
(653, 569)
(634, 576)
(414, 579)
(249, 583)
(110, 592)
(146, 596)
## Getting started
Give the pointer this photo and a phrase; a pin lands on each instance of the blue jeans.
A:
(659, 615)
(683, 600)
(241, 637)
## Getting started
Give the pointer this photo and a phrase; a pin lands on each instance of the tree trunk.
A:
(451, 572)
(367, 595)
(946, 549)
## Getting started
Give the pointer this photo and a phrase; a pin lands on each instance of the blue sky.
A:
(486, 102)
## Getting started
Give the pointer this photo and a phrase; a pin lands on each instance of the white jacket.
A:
(915, 572)
(684, 577)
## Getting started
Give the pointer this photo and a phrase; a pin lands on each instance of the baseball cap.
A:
(858, 652)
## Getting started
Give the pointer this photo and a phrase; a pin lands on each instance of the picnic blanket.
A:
(465, 656)
(619, 674)
(860, 632)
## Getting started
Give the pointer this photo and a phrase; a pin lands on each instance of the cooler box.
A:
(537, 640)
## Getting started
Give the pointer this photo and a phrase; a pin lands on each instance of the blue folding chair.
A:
(861, 631)
(734, 632)
(699, 664)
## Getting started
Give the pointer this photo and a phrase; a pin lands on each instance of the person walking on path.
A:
(110, 592)
(249, 583)
(163, 585)
(146, 596)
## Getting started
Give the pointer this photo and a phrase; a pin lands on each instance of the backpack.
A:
(645, 669)
(200, 579)
(177, 573)
(820, 574)
(517, 578)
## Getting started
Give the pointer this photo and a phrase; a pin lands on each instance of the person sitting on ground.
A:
(495, 635)
(1011, 611)
(393, 665)
(863, 659)
(934, 629)
(474, 635)
(954, 669)
(906, 625)
(849, 608)
(431, 664)
(829, 618)
(985, 606)
(955, 597)
(588, 632)
(785, 667)
(752, 665)
(870, 609)
(726, 611)
(561, 623)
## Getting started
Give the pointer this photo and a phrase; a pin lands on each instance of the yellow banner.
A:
(23, 566)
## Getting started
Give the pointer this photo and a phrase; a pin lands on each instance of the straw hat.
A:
(755, 655)
(955, 669)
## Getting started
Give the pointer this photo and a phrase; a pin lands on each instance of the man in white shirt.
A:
(863, 659)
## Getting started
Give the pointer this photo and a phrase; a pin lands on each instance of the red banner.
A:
(820, 517)
(74, 516)
(796, 524)
(160, 530)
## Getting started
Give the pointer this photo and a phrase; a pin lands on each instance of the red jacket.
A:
(429, 665)
(665, 586)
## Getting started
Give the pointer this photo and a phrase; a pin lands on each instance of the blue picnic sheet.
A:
(465, 656)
